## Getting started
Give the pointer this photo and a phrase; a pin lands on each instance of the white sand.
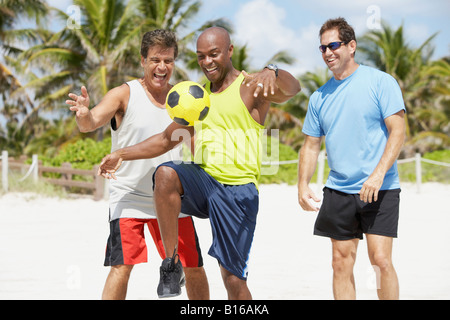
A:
(54, 249)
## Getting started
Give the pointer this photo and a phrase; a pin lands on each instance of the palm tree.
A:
(423, 84)
(390, 52)
(175, 15)
(53, 135)
(92, 53)
(311, 81)
(102, 52)
(95, 53)
(291, 115)
(10, 11)
(13, 107)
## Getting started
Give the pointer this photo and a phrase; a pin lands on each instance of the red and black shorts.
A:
(126, 242)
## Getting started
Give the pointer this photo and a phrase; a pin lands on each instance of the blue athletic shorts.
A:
(232, 210)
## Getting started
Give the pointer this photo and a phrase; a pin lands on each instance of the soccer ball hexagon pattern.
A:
(187, 102)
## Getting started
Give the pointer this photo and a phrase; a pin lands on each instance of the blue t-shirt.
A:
(350, 114)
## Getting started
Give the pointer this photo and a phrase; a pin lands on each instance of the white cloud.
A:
(259, 23)
(262, 24)
(388, 7)
(309, 57)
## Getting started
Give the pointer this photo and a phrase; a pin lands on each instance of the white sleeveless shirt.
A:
(131, 195)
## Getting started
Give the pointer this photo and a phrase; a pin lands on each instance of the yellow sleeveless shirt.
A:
(228, 142)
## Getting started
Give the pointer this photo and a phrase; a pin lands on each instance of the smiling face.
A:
(214, 52)
(158, 66)
(340, 61)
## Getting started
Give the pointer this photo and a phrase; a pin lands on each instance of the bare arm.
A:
(396, 128)
(91, 119)
(309, 154)
(275, 89)
(288, 87)
(152, 147)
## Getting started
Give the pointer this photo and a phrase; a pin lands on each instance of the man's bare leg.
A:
(197, 287)
(167, 196)
(380, 255)
(117, 283)
(344, 256)
(236, 288)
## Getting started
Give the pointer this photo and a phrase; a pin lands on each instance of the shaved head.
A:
(217, 35)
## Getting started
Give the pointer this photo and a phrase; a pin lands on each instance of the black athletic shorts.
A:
(344, 216)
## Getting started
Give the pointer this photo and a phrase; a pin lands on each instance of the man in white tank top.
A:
(136, 111)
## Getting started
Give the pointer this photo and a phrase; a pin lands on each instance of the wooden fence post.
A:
(35, 162)
(5, 170)
(418, 171)
(67, 176)
(99, 190)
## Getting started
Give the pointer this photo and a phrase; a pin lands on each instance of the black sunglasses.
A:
(332, 45)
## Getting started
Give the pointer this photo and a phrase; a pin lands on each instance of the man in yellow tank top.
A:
(222, 182)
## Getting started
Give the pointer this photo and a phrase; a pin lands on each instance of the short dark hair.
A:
(346, 32)
(164, 38)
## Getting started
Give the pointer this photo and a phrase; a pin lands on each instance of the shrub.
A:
(83, 154)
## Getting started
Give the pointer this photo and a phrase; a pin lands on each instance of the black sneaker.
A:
(171, 278)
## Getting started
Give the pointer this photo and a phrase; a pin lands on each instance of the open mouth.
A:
(211, 70)
(331, 62)
(160, 76)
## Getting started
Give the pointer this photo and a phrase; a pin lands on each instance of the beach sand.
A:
(54, 249)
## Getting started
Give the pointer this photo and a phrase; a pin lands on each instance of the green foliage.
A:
(285, 173)
(441, 155)
(430, 172)
(83, 154)
(102, 54)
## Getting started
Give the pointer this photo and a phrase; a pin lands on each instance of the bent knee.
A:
(234, 283)
(167, 178)
(231, 281)
(164, 173)
(122, 270)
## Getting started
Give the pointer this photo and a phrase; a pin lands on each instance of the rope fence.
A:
(418, 159)
(66, 172)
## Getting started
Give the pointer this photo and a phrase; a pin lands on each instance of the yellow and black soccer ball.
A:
(187, 102)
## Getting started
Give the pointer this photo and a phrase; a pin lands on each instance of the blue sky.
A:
(268, 26)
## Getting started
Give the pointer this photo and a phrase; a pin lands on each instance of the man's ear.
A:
(352, 46)
(230, 51)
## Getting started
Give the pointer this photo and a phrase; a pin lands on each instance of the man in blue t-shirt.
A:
(360, 112)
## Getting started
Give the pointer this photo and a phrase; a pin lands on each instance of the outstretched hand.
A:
(79, 104)
(265, 82)
(109, 165)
